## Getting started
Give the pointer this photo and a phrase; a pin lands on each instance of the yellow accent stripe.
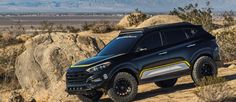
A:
(78, 66)
(148, 69)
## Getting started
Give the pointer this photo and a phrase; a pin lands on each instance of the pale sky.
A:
(107, 5)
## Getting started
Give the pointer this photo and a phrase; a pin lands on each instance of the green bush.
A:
(191, 13)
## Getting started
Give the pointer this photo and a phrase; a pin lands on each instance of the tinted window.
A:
(173, 36)
(120, 45)
(191, 32)
(150, 41)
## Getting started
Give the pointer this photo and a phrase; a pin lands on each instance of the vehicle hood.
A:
(94, 60)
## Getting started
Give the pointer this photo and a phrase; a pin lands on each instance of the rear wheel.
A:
(91, 97)
(204, 67)
(166, 83)
(124, 88)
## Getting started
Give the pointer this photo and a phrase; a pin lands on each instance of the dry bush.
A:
(117, 27)
(46, 27)
(213, 89)
(8, 79)
(60, 28)
(16, 29)
(72, 29)
(102, 27)
(228, 18)
(135, 19)
(8, 39)
(87, 26)
(192, 13)
(227, 41)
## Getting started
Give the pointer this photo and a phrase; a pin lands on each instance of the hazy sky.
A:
(106, 5)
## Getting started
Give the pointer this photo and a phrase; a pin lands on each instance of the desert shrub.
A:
(102, 27)
(191, 13)
(226, 41)
(117, 27)
(8, 79)
(16, 29)
(87, 26)
(136, 18)
(228, 18)
(46, 27)
(35, 32)
(8, 39)
(19, 28)
(60, 28)
(214, 89)
(72, 29)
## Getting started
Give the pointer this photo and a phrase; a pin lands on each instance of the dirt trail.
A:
(182, 92)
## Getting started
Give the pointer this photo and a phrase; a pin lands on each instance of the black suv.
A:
(159, 54)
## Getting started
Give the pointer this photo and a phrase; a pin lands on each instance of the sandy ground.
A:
(182, 92)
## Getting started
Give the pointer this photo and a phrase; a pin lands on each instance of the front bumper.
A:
(82, 82)
(82, 89)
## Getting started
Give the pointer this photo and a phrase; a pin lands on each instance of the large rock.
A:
(41, 68)
(160, 19)
(124, 22)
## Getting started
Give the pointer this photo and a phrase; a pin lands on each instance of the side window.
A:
(173, 36)
(191, 32)
(149, 41)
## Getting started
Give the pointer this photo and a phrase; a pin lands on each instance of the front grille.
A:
(76, 78)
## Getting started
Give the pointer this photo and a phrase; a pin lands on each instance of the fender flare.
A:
(202, 52)
(124, 67)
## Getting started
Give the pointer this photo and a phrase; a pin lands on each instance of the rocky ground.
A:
(183, 91)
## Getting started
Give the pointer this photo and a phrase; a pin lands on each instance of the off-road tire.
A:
(112, 93)
(199, 69)
(94, 97)
(166, 83)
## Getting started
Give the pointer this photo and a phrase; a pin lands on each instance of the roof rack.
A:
(171, 25)
(128, 31)
(141, 30)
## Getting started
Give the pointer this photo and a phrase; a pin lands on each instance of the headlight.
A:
(98, 67)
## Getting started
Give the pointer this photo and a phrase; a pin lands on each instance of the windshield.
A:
(119, 45)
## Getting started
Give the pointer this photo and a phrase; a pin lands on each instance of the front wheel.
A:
(91, 97)
(166, 83)
(124, 88)
(204, 67)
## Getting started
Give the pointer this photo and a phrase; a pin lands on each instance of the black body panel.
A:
(152, 55)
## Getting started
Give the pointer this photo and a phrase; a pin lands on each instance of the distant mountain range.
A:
(107, 5)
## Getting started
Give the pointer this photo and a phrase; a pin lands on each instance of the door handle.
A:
(191, 45)
(162, 53)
